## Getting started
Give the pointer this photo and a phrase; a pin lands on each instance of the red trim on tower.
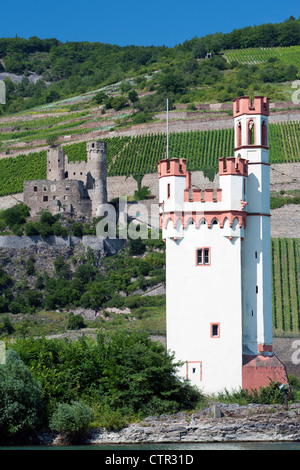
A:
(265, 348)
(251, 147)
(208, 216)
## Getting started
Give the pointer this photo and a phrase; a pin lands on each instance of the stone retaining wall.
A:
(95, 243)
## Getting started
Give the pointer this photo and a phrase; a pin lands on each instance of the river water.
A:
(156, 448)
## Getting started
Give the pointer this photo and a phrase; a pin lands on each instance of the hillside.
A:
(67, 94)
(41, 71)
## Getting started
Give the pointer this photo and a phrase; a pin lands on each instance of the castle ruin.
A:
(75, 188)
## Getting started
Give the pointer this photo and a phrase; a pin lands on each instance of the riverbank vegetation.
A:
(72, 386)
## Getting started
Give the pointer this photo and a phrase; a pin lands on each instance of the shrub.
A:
(142, 193)
(112, 420)
(75, 322)
(6, 327)
(136, 247)
(264, 395)
(71, 418)
(77, 229)
(30, 270)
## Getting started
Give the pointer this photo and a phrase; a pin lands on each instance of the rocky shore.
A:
(218, 423)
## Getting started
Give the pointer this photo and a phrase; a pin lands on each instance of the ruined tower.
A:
(77, 187)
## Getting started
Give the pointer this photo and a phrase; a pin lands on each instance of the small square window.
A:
(203, 257)
(45, 198)
(35, 189)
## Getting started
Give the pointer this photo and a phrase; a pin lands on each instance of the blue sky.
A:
(143, 22)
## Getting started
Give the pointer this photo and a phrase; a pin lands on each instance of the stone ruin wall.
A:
(55, 196)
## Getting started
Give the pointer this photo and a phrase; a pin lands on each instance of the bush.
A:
(136, 247)
(270, 394)
(75, 322)
(112, 420)
(71, 418)
(15, 216)
(21, 402)
(142, 193)
(77, 229)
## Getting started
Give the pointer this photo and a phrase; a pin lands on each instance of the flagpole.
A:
(167, 128)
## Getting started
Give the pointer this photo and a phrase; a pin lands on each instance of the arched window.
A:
(239, 135)
(264, 134)
(251, 133)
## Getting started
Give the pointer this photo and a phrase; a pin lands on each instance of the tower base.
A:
(258, 371)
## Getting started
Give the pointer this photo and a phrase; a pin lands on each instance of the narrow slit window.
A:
(215, 330)
(169, 191)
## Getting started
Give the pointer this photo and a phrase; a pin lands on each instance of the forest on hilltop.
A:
(66, 69)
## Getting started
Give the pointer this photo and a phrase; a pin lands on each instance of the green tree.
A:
(21, 397)
(100, 97)
(30, 269)
(62, 269)
(133, 96)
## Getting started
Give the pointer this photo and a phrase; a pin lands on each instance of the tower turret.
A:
(251, 125)
(55, 164)
(96, 178)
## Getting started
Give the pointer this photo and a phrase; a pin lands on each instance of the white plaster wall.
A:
(256, 271)
(232, 191)
(200, 295)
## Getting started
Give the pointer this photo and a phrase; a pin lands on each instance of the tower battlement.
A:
(243, 105)
(233, 166)
(207, 195)
(172, 167)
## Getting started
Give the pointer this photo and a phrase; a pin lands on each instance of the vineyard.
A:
(250, 56)
(286, 285)
(139, 155)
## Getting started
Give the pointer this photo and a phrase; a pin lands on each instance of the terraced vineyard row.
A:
(286, 285)
(139, 155)
(287, 55)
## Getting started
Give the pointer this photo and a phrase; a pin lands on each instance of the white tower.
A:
(218, 265)
(251, 124)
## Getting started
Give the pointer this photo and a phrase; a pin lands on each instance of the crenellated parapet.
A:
(243, 105)
(233, 166)
(172, 167)
(206, 195)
